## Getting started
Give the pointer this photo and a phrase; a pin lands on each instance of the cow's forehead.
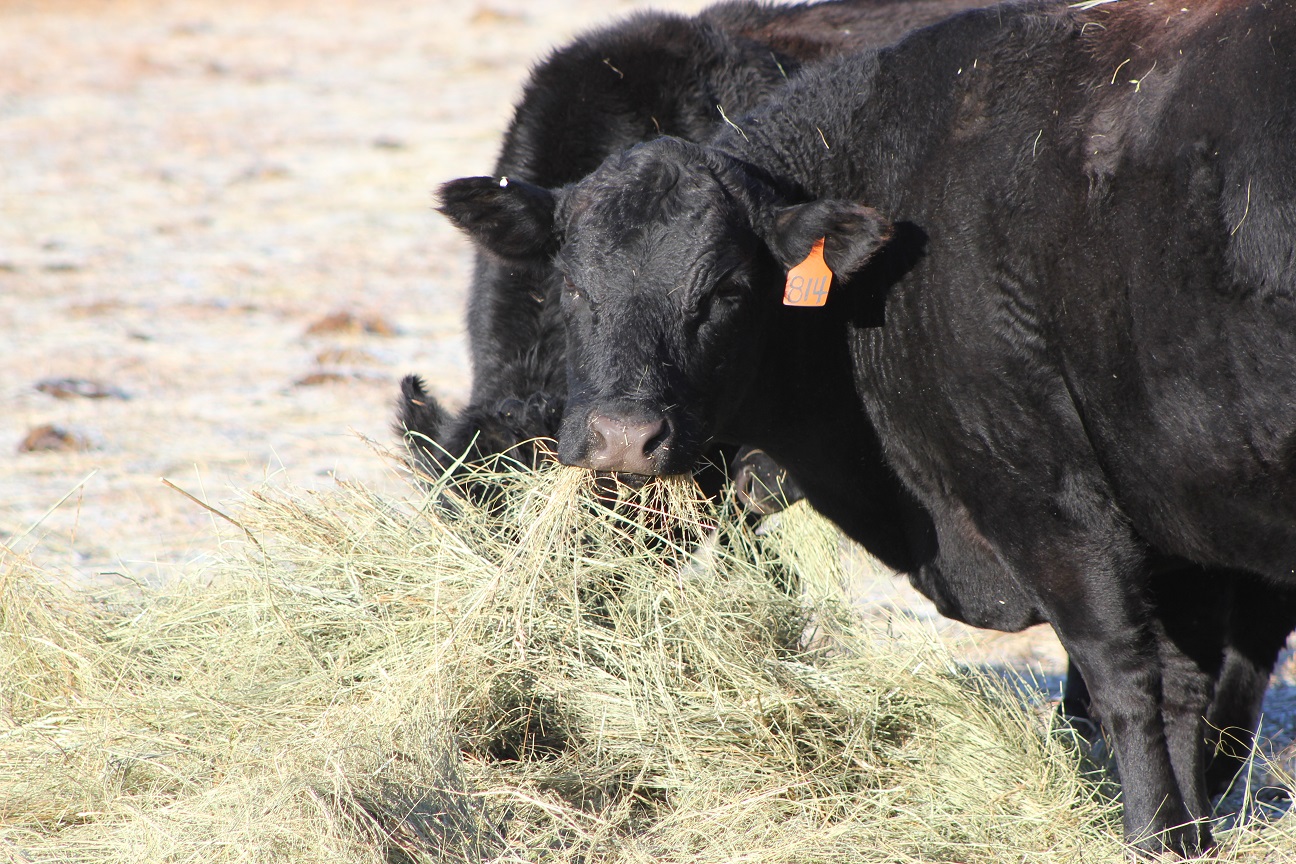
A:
(660, 210)
(646, 189)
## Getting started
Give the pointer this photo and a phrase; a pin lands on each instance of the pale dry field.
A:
(186, 188)
(189, 192)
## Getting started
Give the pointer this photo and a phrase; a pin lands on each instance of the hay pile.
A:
(543, 680)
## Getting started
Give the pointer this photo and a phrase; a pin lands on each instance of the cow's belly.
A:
(962, 571)
(1199, 445)
(1213, 499)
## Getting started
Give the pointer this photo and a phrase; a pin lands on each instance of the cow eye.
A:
(730, 288)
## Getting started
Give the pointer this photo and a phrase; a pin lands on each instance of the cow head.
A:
(674, 258)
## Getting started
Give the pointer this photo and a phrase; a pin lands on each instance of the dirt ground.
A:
(216, 219)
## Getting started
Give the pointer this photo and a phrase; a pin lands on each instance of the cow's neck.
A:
(806, 413)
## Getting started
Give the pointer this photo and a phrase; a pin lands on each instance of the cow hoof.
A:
(1183, 841)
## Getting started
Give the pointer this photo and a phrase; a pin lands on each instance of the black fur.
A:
(1064, 391)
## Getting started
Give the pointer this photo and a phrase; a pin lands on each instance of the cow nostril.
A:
(598, 437)
(653, 436)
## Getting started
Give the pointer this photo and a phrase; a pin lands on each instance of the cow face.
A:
(662, 272)
(673, 258)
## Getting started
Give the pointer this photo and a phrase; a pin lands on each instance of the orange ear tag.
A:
(807, 282)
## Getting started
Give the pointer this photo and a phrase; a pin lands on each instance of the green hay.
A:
(547, 680)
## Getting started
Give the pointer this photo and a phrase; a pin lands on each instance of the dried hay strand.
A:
(544, 679)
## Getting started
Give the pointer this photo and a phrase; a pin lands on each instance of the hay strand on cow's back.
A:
(539, 676)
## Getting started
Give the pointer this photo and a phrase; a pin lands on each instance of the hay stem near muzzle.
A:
(545, 677)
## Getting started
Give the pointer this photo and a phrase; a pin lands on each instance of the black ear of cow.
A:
(512, 218)
(851, 232)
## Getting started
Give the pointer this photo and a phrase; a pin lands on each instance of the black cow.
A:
(552, 139)
(653, 74)
(1062, 362)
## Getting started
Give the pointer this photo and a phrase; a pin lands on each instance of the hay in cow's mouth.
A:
(545, 679)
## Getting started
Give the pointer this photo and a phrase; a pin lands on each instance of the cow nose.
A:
(625, 445)
(753, 492)
(762, 486)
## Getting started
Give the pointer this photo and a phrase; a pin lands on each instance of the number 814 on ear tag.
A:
(807, 283)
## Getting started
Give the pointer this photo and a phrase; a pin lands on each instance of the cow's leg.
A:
(1234, 717)
(1190, 615)
(1074, 562)
(1075, 697)
(1261, 617)
(1187, 684)
(1124, 681)
(1101, 610)
(1260, 620)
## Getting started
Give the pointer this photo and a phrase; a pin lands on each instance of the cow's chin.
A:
(634, 481)
(610, 483)
(620, 478)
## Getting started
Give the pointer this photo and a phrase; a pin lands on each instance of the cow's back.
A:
(1197, 202)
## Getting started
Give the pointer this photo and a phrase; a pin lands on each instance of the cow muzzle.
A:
(625, 444)
(763, 487)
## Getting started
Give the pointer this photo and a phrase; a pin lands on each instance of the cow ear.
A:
(851, 232)
(512, 218)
